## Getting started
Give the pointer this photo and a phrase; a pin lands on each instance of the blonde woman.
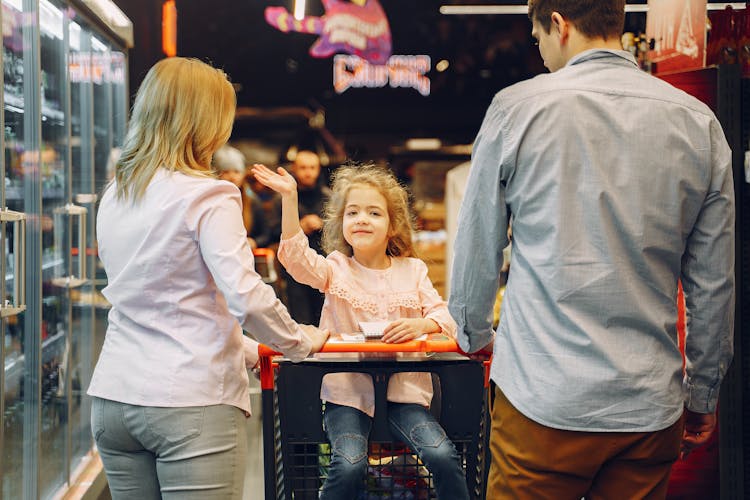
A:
(170, 388)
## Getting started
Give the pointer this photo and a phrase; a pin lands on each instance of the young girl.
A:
(370, 276)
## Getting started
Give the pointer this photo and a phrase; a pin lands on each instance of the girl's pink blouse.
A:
(355, 293)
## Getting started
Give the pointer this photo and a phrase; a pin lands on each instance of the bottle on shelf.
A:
(722, 42)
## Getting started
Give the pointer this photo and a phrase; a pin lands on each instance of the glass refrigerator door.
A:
(85, 195)
(59, 234)
(98, 115)
(19, 163)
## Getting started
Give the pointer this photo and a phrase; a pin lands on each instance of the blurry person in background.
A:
(592, 400)
(170, 389)
(305, 302)
(270, 203)
(229, 164)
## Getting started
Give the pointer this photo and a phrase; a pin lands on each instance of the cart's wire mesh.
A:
(303, 454)
(393, 471)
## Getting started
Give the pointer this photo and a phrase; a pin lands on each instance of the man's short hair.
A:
(592, 18)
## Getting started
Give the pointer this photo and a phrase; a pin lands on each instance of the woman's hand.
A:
(280, 181)
(317, 336)
(406, 329)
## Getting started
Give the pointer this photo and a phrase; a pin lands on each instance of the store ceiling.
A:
(482, 53)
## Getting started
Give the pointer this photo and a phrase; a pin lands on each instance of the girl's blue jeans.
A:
(348, 430)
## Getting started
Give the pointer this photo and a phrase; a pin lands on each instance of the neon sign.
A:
(359, 28)
(398, 71)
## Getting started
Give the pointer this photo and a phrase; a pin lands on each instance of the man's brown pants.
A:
(531, 461)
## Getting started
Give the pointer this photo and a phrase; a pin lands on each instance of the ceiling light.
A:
(111, 15)
(423, 144)
(299, 10)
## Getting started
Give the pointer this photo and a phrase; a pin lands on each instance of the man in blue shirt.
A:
(619, 185)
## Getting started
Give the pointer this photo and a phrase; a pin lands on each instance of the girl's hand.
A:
(280, 181)
(406, 329)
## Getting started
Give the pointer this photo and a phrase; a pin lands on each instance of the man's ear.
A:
(561, 27)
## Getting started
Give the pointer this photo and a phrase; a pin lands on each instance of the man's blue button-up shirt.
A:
(618, 185)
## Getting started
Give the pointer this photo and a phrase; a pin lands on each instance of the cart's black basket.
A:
(302, 453)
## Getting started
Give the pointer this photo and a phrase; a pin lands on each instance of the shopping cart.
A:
(265, 264)
(295, 449)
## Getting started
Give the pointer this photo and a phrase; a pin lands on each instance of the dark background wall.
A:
(271, 68)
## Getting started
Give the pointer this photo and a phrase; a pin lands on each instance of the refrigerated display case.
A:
(65, 104)
(724, 90)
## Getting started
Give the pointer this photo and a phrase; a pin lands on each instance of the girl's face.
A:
(366, 223)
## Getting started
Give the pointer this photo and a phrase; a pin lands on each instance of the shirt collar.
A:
(616, 56)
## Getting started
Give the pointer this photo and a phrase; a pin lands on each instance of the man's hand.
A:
(698, 430)
(317, 337)
(484, 353)
(488, 349)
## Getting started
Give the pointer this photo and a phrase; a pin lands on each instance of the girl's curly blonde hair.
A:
(356, 174)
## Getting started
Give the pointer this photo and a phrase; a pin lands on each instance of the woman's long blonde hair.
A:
(183, 113)
(351, 175)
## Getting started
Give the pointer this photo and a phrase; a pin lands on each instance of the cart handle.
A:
(263, 252)
(433, 343)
